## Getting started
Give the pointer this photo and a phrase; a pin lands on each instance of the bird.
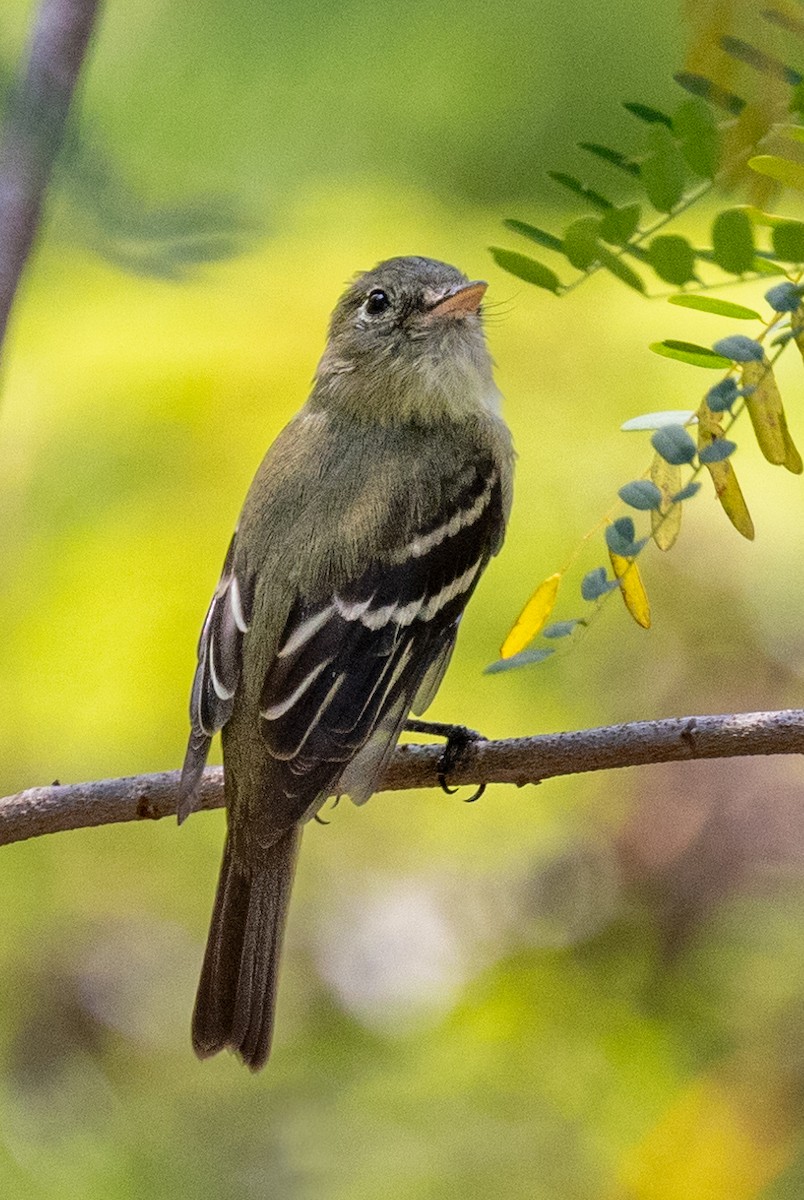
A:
(362, 538)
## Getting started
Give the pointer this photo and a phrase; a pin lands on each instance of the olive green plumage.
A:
(361, 539)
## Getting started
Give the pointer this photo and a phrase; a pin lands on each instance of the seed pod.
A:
(727, 489)
(765, 408)
(666, 519)
(632, 589)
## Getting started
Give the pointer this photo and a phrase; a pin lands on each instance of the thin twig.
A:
(515, 760)
(34, 131)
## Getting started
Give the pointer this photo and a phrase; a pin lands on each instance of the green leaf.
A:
(620, 537)
(790, 174)
(641, 494)
(699, 85)
(619, 224)
(689, 352)
(580, 189)
(788, 241)
(595, 584)
(672, 258)
(663, 172)
(740, 348)
(580, 242)
(695, 127)
(620, 269)
(758, 59)
(657, 420)
(540, 236)
(687, 492)
(721, 308)
(723, 395)
(763, 266)
(794, 132)
(717, 450)
(674, 444)
(733, 241)
(652, 116)
(526, 658)
(613, 157)
(527, 268)
(560, 629)
(784, 297)
(763, 218)
(625, 528)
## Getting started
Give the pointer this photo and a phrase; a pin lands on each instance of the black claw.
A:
(458, 738)
(335, 802)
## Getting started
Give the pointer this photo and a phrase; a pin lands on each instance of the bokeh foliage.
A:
(707, 145)
(587, 990)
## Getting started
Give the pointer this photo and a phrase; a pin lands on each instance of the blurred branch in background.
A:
(45, 148)
(165, 240)
(514, 760)
(34, 131)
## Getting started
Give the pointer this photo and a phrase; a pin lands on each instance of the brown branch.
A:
(34, 131)
(515, 760)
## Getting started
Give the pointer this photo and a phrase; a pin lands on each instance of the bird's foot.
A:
(335, 802)
(458, 738)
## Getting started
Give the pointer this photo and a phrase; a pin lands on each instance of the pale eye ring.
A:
(377, 302)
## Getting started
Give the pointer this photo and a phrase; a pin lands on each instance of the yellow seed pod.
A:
(727, 489)
(792, 457)
(766, 411)
(797, 326)
(533, 618)
(666, 519)
(632, 588)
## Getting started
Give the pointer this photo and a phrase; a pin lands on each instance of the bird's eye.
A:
(378, 302)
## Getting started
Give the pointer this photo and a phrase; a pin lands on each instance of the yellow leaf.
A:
(766, 411)
(533, 618)
(706, 1145)
(666, 519)
(632, 588)
(727, 489)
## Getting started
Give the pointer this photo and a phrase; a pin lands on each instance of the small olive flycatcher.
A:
(362, 538)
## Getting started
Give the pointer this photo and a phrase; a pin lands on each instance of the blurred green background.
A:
(590, 990)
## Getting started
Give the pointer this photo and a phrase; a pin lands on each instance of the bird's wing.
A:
(220, 657)
(349, 667)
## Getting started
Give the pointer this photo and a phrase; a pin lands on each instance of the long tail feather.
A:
(236, 997)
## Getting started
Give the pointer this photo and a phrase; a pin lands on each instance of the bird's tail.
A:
(237, 990)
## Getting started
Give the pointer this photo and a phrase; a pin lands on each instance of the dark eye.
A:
(378, 301)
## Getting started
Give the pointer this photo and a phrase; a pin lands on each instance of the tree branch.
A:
(514, 760)
(34, 131)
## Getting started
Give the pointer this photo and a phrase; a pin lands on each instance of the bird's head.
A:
(406, 341)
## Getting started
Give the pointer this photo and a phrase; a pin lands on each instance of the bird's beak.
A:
(459, 301)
